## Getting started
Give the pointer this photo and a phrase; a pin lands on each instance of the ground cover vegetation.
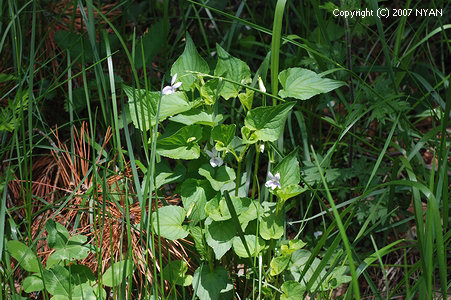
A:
(201, 149)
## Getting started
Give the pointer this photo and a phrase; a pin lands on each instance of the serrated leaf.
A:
(267, 122)
(197, 116)
(303, 84)
(118, 271)
(190, 60)
(170, 220)
(24, 255)
(231, 68)
(182, 144)
(143, 106)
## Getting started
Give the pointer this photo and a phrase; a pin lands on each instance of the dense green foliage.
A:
(224, 149)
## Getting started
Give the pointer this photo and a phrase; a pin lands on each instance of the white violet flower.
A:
(316, 234)
(215, 160)
(274, 181)
(262, 148)
(261, 85)
(167, 90)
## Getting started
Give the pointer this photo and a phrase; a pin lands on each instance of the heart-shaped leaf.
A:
(24, 255)
(118, 271)
(170, 219)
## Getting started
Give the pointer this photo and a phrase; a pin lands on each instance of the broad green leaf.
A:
(292, 246)
(251, 210)
(254, 244)
(211, 90)
(197, 116)
(57, 281)
(223, 135)
(182, 144)
(231, 68)
(194, 200)
(24, 255)
(170, 219)
(267, 122)
(198, 235)
(74, 249)
(81, 274)
(303, 84)
(80, 292)
(143, 106)
(246, 98)
(290, 191)
(219, 236)
(190, 60)
(33, 283)
(211, 285)
(290, 172)
(338, 277)
(299, 259)
(165, 175)
(152, 42)
(271, 223)
(57, 234)
(279, 264)
(175, 273)
(292, 290)
(218, 210)
(118, 271)
(217, 177)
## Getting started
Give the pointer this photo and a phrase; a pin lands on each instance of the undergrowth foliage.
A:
(159, 150)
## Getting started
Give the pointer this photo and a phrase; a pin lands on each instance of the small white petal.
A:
(216, 162)
(277, 176)
(168, 90)
(174, 79)
(177, 85)
(316, 234)
(262, 148)
(261, 85)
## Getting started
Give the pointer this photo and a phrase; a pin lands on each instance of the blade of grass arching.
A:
(400, 33)
(275, 46)
(304, 135)
(231, 32)
(100, 78)
(381, 155)
(381, 264)
(113, 100)
(442, 161)
(385, 50)
(341, 228)
(70, 106)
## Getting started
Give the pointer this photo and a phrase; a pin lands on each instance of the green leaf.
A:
(223, 136)
(194, 200)
(115, 274)
(211, 90)
(299, 260)
(81, 274)
(57, 234)
(74, 249)
(165, 175)
(210, 285)
(198, 235)
(57, 281)
(33, 283)
(250, 210)
(218, 210)
(267, 122)
(290, 191)
(197, 116)
(152, 42)
(279, 264)
(271, 223)
(24, 255)
(190, 60)
(290, 172)
(175, 273)
(292, 290)
(143, 106)
(182, 144)
(81, 292)
(255, 245)
(219, 236)
(217, 177)
(246, 98)
(303, 84)
(170, 219)
(231, 68)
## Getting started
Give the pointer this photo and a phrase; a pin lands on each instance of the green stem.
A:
(238, 178)
(254, 183)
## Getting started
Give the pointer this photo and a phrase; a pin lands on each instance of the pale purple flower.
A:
(167, 90)
(215, 160)
(274, 181)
